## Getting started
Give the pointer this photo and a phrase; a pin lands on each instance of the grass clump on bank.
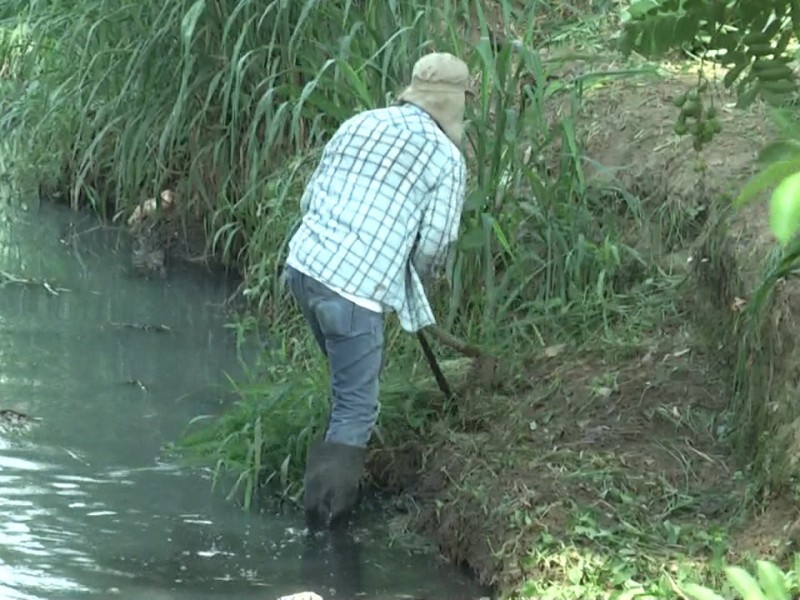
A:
(228, 103)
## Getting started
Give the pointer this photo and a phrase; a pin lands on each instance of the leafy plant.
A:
(770, 583)
(781, 166)
(749, 38)
(262, 439)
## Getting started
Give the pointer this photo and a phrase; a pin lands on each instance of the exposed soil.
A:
(630, 441)
(772, 532)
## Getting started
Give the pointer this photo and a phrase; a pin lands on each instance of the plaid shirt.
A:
(382, 209)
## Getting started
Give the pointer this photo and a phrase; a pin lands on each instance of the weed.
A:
(261, 440)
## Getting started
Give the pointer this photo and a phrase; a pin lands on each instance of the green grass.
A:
(582, 572)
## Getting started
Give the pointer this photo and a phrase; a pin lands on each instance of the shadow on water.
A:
(87, 508)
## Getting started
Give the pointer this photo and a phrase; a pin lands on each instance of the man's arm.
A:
(440, 222)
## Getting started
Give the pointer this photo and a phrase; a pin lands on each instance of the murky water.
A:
(85, 508)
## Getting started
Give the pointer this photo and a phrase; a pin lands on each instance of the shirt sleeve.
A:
(440, 223)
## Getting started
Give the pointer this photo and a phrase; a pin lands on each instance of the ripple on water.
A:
(20, 464)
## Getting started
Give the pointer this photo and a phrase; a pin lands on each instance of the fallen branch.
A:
(9, 278)
(144, 327)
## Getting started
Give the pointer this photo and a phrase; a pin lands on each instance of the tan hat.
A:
(438, 85)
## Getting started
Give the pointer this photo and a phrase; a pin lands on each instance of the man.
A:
(379, 215)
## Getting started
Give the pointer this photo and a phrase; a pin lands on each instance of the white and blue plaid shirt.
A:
(381, 210)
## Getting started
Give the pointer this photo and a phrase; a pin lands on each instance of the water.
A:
(87, 509)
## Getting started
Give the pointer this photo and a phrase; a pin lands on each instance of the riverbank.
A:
(614, 465)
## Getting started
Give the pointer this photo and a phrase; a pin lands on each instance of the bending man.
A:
(379, 215)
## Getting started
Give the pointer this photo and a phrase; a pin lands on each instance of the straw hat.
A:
(438, 86)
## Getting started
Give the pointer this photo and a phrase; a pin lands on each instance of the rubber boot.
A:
(332, 478)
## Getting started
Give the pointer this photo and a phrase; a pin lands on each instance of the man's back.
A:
(365, 202)
(379, 215)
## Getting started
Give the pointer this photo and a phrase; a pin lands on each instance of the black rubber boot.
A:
(333, 475)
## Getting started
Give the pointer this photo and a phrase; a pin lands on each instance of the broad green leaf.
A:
(771, 176)
(687, 28)
(626, 42)
(575, 574)
(772, 580)
(780, 151)
(664, 33)
(698, 592)
(784, 217)
(744, 583)
(785, 123)
(639, 9)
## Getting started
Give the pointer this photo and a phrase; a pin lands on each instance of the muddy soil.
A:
(631, 441)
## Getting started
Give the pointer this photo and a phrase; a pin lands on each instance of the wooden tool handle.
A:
(458, 345)
(437, 371)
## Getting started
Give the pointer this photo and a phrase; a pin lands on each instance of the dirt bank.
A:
(595, 445)
(609, 467)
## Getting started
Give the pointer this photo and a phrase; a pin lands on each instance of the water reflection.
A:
(87, 507)
(332, 563)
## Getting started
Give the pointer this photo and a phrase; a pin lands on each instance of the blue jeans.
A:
(351, 338)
